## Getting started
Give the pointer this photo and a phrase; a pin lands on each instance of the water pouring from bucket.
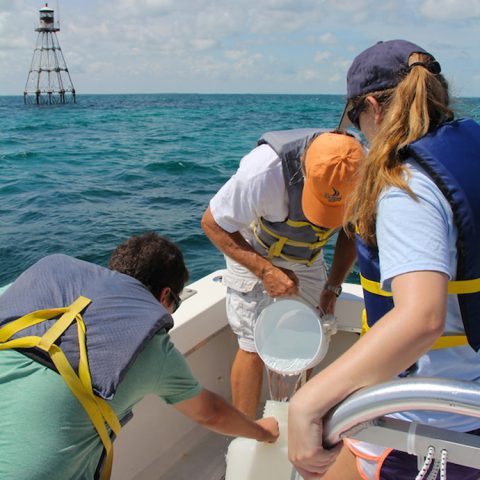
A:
(290, 340)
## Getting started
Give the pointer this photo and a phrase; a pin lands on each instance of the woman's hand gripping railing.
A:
(362, 416)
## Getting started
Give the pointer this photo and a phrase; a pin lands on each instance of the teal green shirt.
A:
(44, 431)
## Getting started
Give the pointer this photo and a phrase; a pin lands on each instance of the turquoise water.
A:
(79, 179)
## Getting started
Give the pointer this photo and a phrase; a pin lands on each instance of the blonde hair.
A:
(417, 105)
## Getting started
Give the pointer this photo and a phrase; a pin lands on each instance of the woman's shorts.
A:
(380, 463)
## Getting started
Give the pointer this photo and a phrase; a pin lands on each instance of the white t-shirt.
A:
(419, 236)
(256, 190)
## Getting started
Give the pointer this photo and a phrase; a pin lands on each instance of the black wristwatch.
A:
(336, 289)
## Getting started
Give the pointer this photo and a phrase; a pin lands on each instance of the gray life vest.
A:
(122, 317)
(294, 239)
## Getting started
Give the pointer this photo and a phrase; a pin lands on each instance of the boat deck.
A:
(205, 462)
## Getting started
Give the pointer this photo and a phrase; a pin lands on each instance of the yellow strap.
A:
(445, 341)
(57, 329)
(365, 326)
(27, 321)
(300, 224)
(313, 258)
(450, 341)
(320, 232)
(455, 287)
(289, 258)
(458, 287)
(83, 368)
(290, 242)
(90, 405)
(275, 250)
(373, 287)
(97, 409)
(303, 261)
(24, 342)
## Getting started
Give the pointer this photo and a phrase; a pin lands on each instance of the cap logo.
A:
(335, 197)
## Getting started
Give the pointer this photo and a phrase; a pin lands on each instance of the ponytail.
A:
(416, 106)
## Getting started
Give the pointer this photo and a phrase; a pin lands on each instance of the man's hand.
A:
(279, 282)
(328, 300)
(271, 430)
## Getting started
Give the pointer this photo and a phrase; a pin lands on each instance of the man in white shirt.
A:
(257, 219)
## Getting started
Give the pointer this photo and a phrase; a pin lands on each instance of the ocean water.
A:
(79, 179)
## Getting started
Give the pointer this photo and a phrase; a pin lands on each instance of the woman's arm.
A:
(390, 346)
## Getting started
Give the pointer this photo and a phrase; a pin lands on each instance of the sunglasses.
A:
(354, 114)
(177, 301)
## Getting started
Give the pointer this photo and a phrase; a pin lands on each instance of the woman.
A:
(421, 168)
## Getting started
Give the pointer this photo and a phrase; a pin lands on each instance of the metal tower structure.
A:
(48, 80)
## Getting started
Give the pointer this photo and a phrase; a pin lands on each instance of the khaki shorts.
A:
(246, 297)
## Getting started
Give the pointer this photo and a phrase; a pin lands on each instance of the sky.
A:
(235, 46)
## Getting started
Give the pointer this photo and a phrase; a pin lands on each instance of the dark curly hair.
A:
(153, 260)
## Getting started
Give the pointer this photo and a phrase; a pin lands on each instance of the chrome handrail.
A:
(435, 394)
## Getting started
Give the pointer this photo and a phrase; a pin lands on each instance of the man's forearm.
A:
(276, 281)
(213, 412)
(234, 246)
(343, 259)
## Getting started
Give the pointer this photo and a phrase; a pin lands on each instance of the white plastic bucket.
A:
(289, 337)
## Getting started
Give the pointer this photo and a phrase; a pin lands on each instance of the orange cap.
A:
(331, 162)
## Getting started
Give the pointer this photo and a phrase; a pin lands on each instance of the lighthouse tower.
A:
(48, 80)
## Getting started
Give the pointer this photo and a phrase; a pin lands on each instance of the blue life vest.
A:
(294, 239)
(122, 317)
(451, 157)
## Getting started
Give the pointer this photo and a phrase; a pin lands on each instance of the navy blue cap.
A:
(380, 67)
(377, 68)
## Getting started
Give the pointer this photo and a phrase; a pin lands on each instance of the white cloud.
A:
(321, 57)
(336, 79)
(328, 39)
(309, 74)
(204, 43)
(235, 54)
(451, 9)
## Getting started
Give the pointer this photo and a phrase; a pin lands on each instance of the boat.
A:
(161, 444)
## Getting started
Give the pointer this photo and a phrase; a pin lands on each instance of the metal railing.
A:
(362, 416)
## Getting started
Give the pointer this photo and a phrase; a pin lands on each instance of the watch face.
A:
(336, 290)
